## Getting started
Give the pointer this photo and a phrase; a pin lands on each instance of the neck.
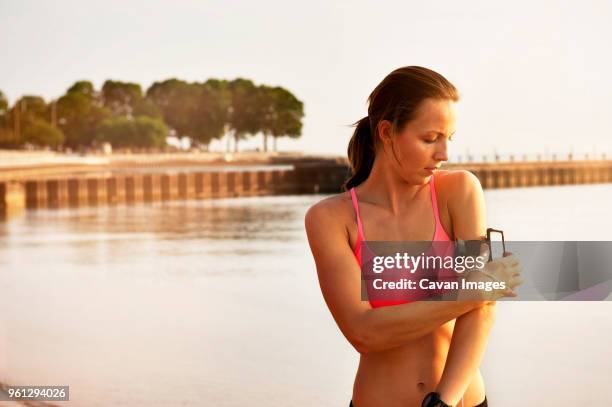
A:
(385, 188)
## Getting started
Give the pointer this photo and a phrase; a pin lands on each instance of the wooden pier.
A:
(108, 188)
(531, 174)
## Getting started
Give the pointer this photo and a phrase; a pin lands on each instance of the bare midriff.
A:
(402, 376)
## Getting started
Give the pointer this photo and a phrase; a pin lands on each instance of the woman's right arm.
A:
(367, 329)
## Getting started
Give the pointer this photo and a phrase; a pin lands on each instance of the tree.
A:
(141, 131)
(31, 107)
(85, 88)
(7, 136)
(267, 112)
(245, 115)
(24, 112)
(79, 113)
(173, 98)
(41, 133)
(195, 110)
(145, 107)
(3, 110)
(121, 98)
(281, 114)
(210, 113)
(219, 111)
(200, 111)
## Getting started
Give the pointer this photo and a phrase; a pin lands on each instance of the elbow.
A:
(363, 341)
(491, 307)
(362, 345)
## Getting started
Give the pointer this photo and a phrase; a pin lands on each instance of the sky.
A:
(533, 75)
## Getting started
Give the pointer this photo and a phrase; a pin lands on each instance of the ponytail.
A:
(361, 153)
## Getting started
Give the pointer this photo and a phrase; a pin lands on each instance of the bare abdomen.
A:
(403, 376)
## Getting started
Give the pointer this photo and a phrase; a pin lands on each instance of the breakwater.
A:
(127, 186)
(531, 174)
(138, 185)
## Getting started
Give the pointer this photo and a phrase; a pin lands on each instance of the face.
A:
(422, 145)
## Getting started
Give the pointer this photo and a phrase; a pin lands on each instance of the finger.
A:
(508, 274)
(510, 261)
(515, 269)
(517, 278)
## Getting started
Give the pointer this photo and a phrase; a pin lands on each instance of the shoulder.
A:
(457, 179)
(459, 190)
(328, 225)
(457, 184)
(331, 211)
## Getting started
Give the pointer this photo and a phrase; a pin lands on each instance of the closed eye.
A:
(438, 135)
(436, 139)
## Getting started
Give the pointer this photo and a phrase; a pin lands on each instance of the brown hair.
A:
(395, 99)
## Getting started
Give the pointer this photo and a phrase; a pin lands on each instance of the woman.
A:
(421, 352)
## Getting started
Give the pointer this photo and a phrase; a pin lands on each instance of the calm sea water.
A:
(216, 303)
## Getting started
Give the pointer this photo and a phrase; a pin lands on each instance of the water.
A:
(217, 303)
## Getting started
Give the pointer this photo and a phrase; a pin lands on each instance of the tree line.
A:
(122, 114)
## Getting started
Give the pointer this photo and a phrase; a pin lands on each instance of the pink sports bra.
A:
(440, 235)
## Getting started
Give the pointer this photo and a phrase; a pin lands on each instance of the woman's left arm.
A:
(470, 335)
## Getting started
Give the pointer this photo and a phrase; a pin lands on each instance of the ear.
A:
(384, 131)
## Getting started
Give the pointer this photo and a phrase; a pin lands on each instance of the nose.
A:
(441, 153)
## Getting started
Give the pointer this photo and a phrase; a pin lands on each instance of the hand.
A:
(506, 270)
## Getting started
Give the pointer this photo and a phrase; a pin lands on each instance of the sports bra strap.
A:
(356, 208)
(434, 202)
